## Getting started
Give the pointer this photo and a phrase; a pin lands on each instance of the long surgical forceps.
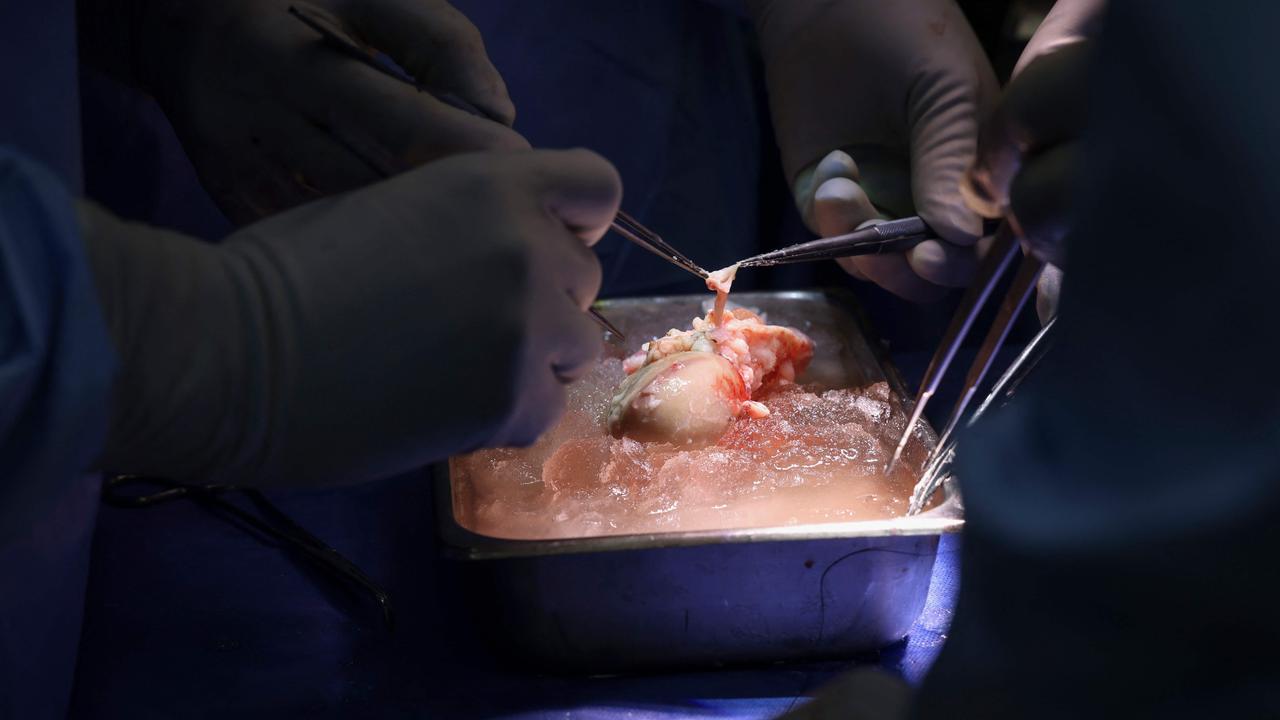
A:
(138, 491)
(623, 224)
(889, 236)
(629, 228)
(1004, 250)
(937, 467)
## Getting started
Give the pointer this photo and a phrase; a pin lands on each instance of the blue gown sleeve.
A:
(1119, 554)
(56, 366)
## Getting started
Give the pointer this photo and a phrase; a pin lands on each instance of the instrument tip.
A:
(893, 463)
(897, 451)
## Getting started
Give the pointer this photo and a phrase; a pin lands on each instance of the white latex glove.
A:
(898, 90)
(359, 336)
(272, 116)
(1029, 147)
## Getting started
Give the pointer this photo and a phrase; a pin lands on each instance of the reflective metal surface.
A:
(681, 599)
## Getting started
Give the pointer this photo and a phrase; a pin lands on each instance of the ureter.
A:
(720, 283)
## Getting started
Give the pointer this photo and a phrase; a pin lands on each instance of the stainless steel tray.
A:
(664, 600)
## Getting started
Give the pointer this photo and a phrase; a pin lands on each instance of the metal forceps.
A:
(139, 491)
(629, 228)
(333, 33)
(937, 468)
(887, 237)
(1004, 250)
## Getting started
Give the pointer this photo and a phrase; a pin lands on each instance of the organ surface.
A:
(688, 386)
(815, 451)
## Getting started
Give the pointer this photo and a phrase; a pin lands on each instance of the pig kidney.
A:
(688, 399)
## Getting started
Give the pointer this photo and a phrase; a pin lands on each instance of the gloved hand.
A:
(1028, 149)
(357, 336)
(897, 91)
(272, 116)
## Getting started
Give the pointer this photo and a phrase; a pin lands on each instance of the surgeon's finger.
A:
(438, 46)
(540, 403)
(942, 263)
(580, 187)
(577, 345)
(410, 127)
(893, 273)
(311, 157)
(1066, 24)
(575, 264)
(1044, 106)
(1040, 199)
(836, 164)
(840, 206)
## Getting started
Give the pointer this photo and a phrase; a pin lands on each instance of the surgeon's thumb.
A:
(1069, 22)
(579, 187)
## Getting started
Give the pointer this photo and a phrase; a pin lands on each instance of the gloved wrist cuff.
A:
(188, 394)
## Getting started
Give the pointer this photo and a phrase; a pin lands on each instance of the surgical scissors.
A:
(140, 491)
